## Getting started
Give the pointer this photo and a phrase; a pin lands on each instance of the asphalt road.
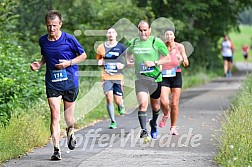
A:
(200, 111)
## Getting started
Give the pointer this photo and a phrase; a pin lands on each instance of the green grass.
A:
(197, 79)
(244, 37)
(235, 147)
(24, 132)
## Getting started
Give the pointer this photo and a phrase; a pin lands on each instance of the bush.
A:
(19, 86)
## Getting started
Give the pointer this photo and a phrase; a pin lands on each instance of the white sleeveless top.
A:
(226, 49)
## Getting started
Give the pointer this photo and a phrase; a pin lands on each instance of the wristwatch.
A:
(71, 62)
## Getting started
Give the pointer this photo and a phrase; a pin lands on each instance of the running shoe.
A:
(144, 135)
(71, 140)
(56, 155)
(154, 132)
(229, 74)
(121, 110)
(162, 122)
(112, 125)
(173, 130)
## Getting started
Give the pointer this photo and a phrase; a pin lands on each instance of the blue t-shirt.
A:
(65, 48)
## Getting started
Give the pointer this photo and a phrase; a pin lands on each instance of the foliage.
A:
(202, 23)
(245, 17)
(235, 147)
(16, 78)
(31, 23)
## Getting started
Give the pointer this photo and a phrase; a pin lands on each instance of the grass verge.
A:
(23, 133)
(235, 144)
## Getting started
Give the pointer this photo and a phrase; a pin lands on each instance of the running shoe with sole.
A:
(71, 140)
(56, 155)
(173, 130)
(144, 135)
(121, 110)
(162, 122)
(154, 132)
(112, 125)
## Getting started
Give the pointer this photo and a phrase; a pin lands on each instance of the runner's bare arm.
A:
(66, 63)
(164, 60)
(129, 59)
(37, 65)
(185, 61)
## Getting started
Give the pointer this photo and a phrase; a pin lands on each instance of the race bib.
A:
(110, 67)
(169, 73)
(144, 69)
(58, 75)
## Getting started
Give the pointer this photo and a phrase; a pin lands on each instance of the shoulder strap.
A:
(153, 43)
(134, 41)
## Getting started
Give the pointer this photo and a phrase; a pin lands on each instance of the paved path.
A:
(196, 144)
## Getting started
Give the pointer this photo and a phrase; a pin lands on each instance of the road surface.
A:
(196, 145)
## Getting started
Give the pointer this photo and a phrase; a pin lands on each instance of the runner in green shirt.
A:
(143, 53)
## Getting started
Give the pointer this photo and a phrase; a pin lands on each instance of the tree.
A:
(246, 17)
(202, 23)
(15, 76)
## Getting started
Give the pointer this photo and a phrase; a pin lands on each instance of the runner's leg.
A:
(54, 104)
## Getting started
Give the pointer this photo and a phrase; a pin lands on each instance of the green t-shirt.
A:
(143, 51)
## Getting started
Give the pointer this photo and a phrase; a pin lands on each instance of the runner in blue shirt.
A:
(60, 52)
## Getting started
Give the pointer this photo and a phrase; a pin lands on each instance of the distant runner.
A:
(110, 56)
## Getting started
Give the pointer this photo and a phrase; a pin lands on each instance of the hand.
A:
(119, 66)
(130, 63)
(185, 63)
(63, 64)
(35, 66)
(149, 63)
(100, 62)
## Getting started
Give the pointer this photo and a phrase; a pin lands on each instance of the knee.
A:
(174, 105)
(55, 117)
(143, 106)
(156, 107)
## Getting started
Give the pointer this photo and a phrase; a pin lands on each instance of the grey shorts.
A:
(151, 87)
(114, 85)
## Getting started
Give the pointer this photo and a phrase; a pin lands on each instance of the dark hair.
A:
(170, 29)
(52, 14)
(143, 21)
(111, 28)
